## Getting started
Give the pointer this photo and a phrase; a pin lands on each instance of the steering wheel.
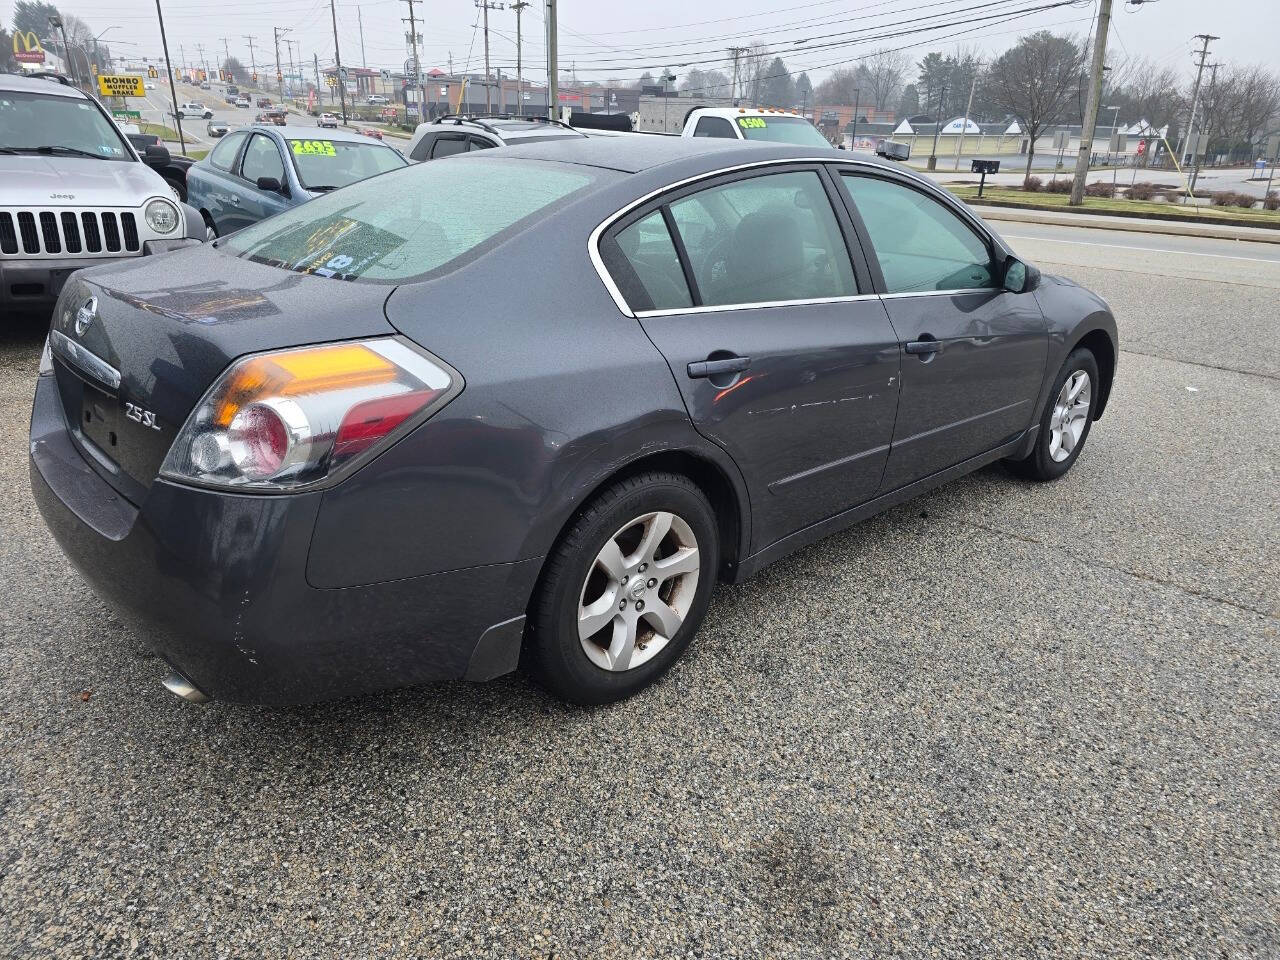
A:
(719, 252)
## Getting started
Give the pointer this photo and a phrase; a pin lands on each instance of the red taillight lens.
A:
(367, 423)
(258, 440)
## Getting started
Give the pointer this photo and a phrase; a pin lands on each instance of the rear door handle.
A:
(925, 345)
(716, 368)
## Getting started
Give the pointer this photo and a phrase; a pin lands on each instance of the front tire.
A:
(1065, 422)
(625, 589)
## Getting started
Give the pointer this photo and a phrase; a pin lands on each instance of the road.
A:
(1002, 720)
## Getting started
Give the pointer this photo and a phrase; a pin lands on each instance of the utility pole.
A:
(518, 7)
(290, 44)
(735, 52)
(1199, 152)
(857, 101)
(276, 34)
(364, 61)
(486, 6)
(173, 90)
(337, 59)
(200, 63)
(417, 66)
(1092, 105)
(226, 49)
(253, 63)
(977, 69)
(937, 124)
(553, 63)
(1195, 97)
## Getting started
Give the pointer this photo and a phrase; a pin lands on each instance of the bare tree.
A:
(882, 75)
(756, 68)
(837, 88)
(1034, 81)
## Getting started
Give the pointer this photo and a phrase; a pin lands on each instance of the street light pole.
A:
(173, 90)
(518, 7)
(337, 59)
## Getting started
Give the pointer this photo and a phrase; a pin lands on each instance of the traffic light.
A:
(153, 73)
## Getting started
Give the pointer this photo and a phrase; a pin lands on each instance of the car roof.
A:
(16, 82)
(632, 153)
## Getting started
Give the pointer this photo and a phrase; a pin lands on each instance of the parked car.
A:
(242, 102)
(327, 120)
(369, 132)
(377, 98)
(375, 441)
(452, 134)
(216, 128)
(74, 193)
(173, 167)
(253, 174)
(194, 109)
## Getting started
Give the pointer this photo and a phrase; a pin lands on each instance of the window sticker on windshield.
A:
(751, 123)
(313, 148)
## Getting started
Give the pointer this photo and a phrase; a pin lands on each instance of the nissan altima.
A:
(529, 406)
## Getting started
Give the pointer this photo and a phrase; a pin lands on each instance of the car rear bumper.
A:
(216, 584)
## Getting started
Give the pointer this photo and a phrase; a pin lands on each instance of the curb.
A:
(1101, 221)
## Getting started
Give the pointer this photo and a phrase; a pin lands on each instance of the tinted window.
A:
(224, 154)
(921, 245)
(479, 143)
(261, 159)
(773, 237)
(714, 127)
(648, 249)
(329, 164)
(412, 221)
(423, 149)
(447, 146)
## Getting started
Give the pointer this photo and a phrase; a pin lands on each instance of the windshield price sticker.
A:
(751, 123)
(111, 85)
(313, 148)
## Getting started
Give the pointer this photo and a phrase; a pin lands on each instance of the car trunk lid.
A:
(137, 344)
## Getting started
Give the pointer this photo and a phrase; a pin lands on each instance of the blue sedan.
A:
(260, 171)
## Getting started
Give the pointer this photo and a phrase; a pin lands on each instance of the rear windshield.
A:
(411, 222)
(782, 130)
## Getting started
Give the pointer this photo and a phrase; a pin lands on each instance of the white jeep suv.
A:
(73, 193)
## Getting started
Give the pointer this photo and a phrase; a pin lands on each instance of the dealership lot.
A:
(1004, 719)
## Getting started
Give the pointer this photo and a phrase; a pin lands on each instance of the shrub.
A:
(1100, 189)
(1272, 202)
(1229, 198)
(1032, 184)
(1142, 191)
(1058, 186)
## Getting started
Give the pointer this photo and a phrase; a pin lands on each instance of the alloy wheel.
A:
(638, 591)
(1070, 415)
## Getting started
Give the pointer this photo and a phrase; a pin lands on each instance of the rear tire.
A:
(1066, 419)
(625, 590)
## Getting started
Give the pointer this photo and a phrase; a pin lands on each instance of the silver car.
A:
(75, 193)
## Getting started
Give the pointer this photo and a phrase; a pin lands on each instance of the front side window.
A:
(411, 222)
(224, 154)
(714, 127)
(261, 159)
(58, 126)
(329, 164)
(652, 257)
(921, 245)
(764, 239)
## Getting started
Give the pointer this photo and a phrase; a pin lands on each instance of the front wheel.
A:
(625, 590)
(1065, 422)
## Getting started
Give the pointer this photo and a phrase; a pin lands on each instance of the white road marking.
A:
(1121, 246)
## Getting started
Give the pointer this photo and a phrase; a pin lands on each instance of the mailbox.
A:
(986, 166)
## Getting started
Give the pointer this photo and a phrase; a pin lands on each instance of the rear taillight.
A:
(294, 418)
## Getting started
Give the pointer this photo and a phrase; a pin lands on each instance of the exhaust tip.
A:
(176, 683)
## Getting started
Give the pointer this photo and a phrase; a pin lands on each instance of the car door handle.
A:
(927, 344)
(716, 368)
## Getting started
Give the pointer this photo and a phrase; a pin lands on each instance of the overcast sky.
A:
(616, 39)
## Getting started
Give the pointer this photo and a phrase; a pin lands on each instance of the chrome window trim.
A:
(940, 293)
(593, 242)
(752, 305)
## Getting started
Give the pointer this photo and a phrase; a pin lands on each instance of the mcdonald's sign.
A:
(26, 47)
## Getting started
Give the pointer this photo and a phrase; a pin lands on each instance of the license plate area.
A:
(101, 420)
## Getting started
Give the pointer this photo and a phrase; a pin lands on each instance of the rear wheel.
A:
(1065, 422)
(625, 589)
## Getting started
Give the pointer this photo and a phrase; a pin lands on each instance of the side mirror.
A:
(155, 154)
(270, 184)
(1020, 277)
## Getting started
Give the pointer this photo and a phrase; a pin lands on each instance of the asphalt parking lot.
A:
(1003, 720)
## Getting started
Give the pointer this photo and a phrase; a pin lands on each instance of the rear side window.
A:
(765, 239)
(479, 143)
(714, 127)
(423, 148)
(411, 222)
(447, 146)
(224, 154)
(921, 245)
(652, 256)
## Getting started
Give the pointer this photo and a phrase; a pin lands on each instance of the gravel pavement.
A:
(1004, 720)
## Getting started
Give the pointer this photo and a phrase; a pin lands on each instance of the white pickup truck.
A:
(731, 123)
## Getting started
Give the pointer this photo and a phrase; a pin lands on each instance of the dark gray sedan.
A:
(530, 406)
